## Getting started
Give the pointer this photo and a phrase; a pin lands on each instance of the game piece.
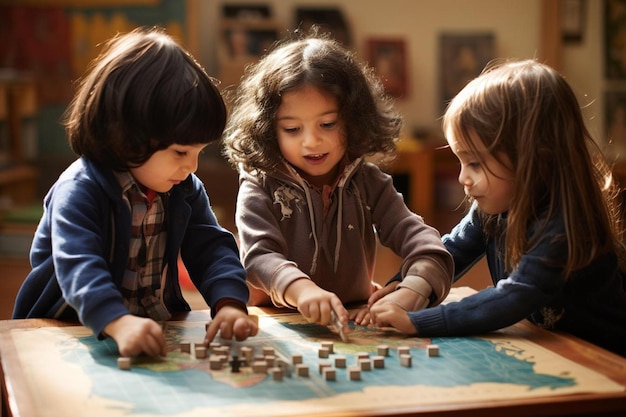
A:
(365, 364)
(185, 347)
(270, 359)
(340, 362)
(214, 347)
(354, 373)
(334, 320)
(200, 351)
(268, 351)
(379, 362)
(284, 365)
(246, 353)
(323, 352)
(302, 370)
(383, 350)
(433, 350)
(329, 345)
(330, 374)
(296, 358)
(236, 363)
(259, 367)
(277, 373)
(362, 355)
(215, 362)
(323, 365)
(123, 363)
(403, 350)
(405, 360)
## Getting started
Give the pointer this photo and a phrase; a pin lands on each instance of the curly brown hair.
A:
(372, 125)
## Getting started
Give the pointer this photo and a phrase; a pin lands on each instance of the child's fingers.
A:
(211, 331)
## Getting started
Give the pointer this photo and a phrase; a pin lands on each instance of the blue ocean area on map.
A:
(155, 388)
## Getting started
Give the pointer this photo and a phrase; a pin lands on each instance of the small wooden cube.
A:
(200, 351)
(259, 367)
(124, 363)
(323, 352)
(277, 373)
(403, 350)
(405, 360)
(354, 374)
(296, 358)
(322, 365)
(433, 350)
(185, 346)
(340, 362)
(365, 364)
(383, 350)
(329, 345)
(330, 374)
(302, 370)
(379, 362)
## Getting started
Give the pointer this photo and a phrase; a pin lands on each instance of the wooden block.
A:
(340, 362)
(354, 374)
(330, 374)
(246, 353)
(302, 370)
(268, 351)
(277, 373)
(296, 358)
(329, 345)
(124, 363)
(323, 352)
(433, 350)
(379, 362)
(185, 347)
(404, 350)
(365, 364)
(362, 355)
(215, 362)
(405, 360)
(383, 350)
(259, 367)
(200, 351)
(323, 365)
(270, 360)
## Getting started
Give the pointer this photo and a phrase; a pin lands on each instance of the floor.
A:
(13, 272)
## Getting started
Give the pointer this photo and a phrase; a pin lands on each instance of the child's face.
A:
(483, 178)
(168, 167)
(311, 134)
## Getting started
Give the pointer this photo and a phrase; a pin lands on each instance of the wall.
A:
(516, 25)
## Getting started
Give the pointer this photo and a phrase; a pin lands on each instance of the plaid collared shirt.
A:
(144, 278)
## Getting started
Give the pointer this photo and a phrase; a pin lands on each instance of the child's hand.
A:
(135, 335)
(406, 298)
(390, 314)
(315, 304)
(231, 321)
(361, 316)
(381, 292)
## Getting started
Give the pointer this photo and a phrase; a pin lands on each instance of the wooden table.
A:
(17, 402)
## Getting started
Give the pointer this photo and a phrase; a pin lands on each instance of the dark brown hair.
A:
(142, 94)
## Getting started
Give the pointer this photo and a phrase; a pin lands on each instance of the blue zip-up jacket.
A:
(80, 250)
(590, 303)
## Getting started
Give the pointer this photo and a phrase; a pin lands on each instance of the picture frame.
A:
(389, 60)
(462, 57)
(573, 16)
(615, 39)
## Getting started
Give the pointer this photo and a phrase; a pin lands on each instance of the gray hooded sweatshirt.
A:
(286, 233)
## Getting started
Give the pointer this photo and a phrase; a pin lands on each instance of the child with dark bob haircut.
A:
(310, 208)
(114, 223)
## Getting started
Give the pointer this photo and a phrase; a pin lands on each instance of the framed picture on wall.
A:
(462, 58)
(388, 58)
(615, 39)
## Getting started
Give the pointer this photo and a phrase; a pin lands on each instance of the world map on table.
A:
(69, 365)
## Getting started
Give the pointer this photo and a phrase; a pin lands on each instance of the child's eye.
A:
(180, 153)
(328, 125)
(290, 129)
